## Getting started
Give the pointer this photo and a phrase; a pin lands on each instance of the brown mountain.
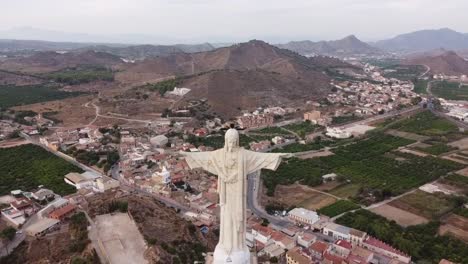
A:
(242, 76)
(228, 91)
(139, 52)
(251, 55)
(52, 61)
(447, 62)
(347, 46)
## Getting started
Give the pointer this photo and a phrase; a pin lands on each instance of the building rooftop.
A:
(344, 244)
(75, 177)
(296, 255)
(59, 213)
(377, 243)
(41, 225)
(338, 228)
(304, 213)
(319, 247)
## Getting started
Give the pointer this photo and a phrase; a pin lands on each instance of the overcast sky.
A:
(165, 21)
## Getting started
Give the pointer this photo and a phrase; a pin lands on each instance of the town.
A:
(116, 150)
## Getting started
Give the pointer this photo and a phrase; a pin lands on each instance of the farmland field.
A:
(338, 207)
(23, 95)
(450, 90)
(420, 242)
(27, 166)
(401, 217)
(346, 191)
(437, 149)
(364, 164)
(430, 206)
(425, 123)
(81, 75)
(404, 72)
(272, 130)
(420, 86)
(302, 129)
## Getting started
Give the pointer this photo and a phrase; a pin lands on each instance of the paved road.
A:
(252, 202)
(10, 246)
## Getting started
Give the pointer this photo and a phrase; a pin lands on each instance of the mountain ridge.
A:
(346, 46)
(424, 40)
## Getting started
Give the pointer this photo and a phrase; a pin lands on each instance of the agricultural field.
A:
(365, 164)
(437, 149)
(404, 72)
(298, 147)
(303, 128)
(420, 242)
(80, 75)
(338, 208)
(338, 120)
(427, 124)
(455, 226)
(420, 86)
(272, 130)
(457, 181)
(430, 206)
(11, 95)
(346, 191)
(295, 195)
(450, 90)
(401, 217)
(38, 167)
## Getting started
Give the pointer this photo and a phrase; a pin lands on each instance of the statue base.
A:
(236, 257)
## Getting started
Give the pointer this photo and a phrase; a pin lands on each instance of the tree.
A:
(265, 222)
(8, 233)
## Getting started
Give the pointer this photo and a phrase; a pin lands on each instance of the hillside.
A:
(346, 46)
(49, 61)
(251, 55)
(11, 45)
(228, 91)
(447, 62)
(425, 40)
(139, 52)
(249, 74)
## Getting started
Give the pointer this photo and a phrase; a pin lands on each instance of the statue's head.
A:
(231, 139)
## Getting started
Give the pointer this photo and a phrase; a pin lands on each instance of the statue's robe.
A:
(232, 195)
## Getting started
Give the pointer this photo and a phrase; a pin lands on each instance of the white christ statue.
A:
(232, 164)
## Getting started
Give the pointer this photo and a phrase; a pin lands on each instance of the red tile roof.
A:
(344, 244)
(382, 245)
(21, 203)
(333, 258)
(319, 247)
(59, 213)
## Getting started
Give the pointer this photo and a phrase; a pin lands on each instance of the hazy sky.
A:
(233, 20)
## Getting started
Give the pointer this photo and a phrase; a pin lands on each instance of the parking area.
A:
(119, 239)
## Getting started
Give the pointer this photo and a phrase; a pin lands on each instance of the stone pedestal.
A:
(236, 257)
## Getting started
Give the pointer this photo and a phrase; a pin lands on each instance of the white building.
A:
(159, 141)
(105, 183)
(306, 239)
(14, 216)
(337, 133)
(42, 226)
(78, 180)
(303, 216)
(179, 91)
(351, 235)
